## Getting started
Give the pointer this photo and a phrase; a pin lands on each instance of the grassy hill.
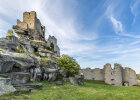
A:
(92, 90)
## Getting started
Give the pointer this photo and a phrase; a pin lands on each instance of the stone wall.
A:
(93, 74)
(88, 75)
(114, 76)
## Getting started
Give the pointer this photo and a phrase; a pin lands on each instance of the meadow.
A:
(92, 90)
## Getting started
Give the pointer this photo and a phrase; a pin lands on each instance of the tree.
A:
(69, 65)
(10, 33)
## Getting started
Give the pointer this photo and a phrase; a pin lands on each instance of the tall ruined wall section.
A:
(108, 74)
(53, 40)
(118, 74)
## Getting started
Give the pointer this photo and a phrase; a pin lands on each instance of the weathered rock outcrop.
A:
(16, 62)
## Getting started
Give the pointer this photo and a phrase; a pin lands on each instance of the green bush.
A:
(10, 33)
(69, 65)
(138, 76)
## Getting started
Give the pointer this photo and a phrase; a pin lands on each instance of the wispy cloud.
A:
(134, 9)
(117, 24)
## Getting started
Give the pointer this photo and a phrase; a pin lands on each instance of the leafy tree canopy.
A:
(69, 65)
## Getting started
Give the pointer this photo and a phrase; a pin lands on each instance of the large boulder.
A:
(16, 62)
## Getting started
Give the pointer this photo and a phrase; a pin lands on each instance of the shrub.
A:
(69, 65)
(10, 33)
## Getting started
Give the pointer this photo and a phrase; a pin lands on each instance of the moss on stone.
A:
(20, 49)
(47, 51)
(44, 61)
(2, 49)
(38, 42)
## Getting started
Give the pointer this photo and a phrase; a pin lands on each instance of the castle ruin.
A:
(118, 76)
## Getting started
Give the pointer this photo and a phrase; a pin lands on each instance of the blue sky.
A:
(94, 32)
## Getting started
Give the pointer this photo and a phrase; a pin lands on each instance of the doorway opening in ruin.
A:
(126, 83)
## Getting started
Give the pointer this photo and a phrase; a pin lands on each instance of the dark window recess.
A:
(35, 49)
(112, 79)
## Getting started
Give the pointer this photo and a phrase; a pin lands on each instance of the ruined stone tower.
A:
(33, 25)
(113, 76)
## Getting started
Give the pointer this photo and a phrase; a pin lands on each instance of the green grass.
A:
(92, 90)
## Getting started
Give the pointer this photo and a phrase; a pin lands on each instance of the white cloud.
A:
(117, 24)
